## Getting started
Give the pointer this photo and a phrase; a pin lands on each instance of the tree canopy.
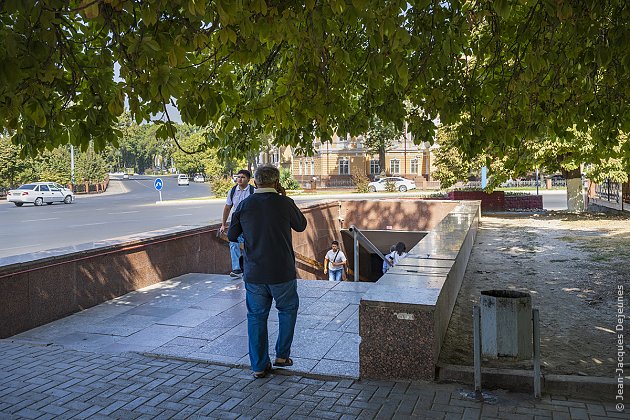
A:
(505, 72)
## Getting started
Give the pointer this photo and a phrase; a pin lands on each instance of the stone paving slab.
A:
(203, 317)
(38, 381)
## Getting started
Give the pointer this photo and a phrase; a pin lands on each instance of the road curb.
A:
(588, 387)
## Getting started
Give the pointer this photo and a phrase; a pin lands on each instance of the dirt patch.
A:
(572, 265)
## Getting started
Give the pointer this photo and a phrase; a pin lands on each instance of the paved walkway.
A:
(178, 350)
(202, 317)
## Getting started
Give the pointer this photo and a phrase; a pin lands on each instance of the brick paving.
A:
(53, 382)
(179, 350)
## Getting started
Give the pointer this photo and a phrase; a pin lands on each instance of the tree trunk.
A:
(381, 159)
(575, 191)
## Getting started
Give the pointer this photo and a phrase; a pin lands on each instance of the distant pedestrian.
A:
(398, 254)
(334, 262)
(265, 220)
(238, 193)
(387, 262)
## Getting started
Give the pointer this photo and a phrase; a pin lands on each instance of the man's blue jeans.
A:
(335, 275)
(258, 298)
(235, 252)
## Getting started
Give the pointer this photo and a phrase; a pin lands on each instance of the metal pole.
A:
(72, 164)
(355, 237)
(536, 181)
(405, 147)
(536, 330)
(477, 348)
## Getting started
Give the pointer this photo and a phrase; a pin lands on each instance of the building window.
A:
(301, 173)
(312, 167)
(394, 166)
(344, 166)
(375, 167)
(274, 157)
(414, 166)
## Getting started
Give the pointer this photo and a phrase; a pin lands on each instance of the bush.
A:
(361, 182)
(221, 186)
(390, 186)
(287, 181)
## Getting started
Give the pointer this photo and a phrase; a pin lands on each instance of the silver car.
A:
(38, 193)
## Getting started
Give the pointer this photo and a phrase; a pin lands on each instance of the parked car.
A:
(199, 178)
(182, 179)
(38, 193)
(401, 184)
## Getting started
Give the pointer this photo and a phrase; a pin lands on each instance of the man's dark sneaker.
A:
(236, 273)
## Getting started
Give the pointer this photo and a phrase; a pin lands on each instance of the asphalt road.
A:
(129, 207)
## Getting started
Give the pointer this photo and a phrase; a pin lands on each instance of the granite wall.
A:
(403, 318)
(39, 288)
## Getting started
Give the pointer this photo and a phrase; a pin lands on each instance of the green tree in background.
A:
(13, 169)
(287, 180)
(138, 146)
(90, 166)
(191, 163)
(54, 165)
(380, 137)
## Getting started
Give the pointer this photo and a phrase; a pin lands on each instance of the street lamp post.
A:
(72, 164)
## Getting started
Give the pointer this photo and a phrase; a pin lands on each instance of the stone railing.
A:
(403, 318)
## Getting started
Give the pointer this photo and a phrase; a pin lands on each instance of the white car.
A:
(400, 184)
(38, 193)
(199, 178)
(182, 179)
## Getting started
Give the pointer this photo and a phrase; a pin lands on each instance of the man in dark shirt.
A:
(265, 219)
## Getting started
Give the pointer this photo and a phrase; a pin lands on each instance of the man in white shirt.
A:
(238, 193)
(334, 262)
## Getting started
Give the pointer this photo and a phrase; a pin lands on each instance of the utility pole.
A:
(72, 164)
(405, 151)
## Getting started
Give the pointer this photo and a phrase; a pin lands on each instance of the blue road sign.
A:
(158, 184)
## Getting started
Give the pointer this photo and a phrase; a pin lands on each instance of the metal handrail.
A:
(309, 262)
(356, 236)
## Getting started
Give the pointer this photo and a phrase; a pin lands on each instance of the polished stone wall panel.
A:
(51, 293)
(14, 315)
(404, 348)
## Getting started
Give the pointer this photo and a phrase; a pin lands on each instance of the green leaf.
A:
(35, 112)
(150, 43)
(90, 11)
(403, 74)
(502, 7)
(172, 58)
(360, 4)
(262, 7)
(191, 7)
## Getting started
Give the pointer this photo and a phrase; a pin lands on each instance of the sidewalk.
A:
(178, 350)
(113, 187)
(52, 382)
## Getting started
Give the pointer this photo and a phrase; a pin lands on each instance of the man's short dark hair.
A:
(245, 172)
(335, 243)
(267, 175)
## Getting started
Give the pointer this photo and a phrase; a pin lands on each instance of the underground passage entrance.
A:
(370, 264)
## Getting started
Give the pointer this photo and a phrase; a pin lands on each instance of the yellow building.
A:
(334, 163)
